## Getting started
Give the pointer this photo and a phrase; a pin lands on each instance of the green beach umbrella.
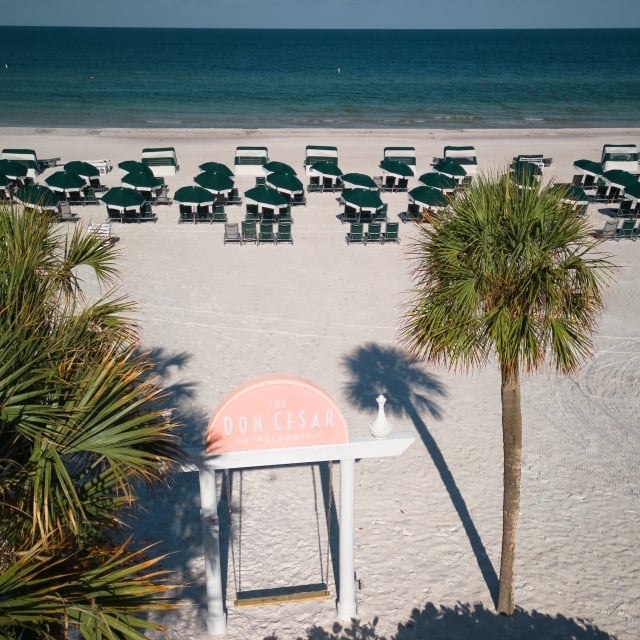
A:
(620, 178)
(450, 168)
(216, 167)
(359, 181)
(428, 196)
(396, 168)
(285, 182)
(214, 182)
(438, 181)
(82, 168)
(134, 166)
(65, 181)
(193, 195)
(266, 195)
(273, 166)
(141, 180)
(12, 169)
(37, 195)
(589, 166)
(632, 192)
(122, 198)
(363, 199)
(325, 168)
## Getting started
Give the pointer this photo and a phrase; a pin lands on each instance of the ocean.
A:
(107, 77)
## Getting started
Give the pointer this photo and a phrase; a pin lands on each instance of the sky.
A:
(374, 14)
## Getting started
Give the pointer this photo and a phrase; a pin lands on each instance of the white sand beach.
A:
(428, 523)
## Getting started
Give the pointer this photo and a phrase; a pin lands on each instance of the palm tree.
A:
(507, 271)
(81, 426)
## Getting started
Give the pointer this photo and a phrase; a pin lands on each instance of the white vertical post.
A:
(216, 617)
(347, 607)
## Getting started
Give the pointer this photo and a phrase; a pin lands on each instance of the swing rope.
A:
(285, 597)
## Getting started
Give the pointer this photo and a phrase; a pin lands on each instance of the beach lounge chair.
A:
(265, 232)
(251, 212)
(284, 233)
(412, 214)
(268, 215)
(577, 180)
(350, 214)
(146, 213)
(624, 209)
(374, 232)
(114, 215)
(186, 214)
(203, 214)
(249, 231)
(381, 214)
(219, 214)
(131, 215)
(299, 199)
(355, 233)
(232, 233)
(66, 215)
(602, 193)
(608, 231)
(627, 229)
(390, 233)
(285, 215)
(102, 230)
(90, 196)
(234, 196)
(261, 181)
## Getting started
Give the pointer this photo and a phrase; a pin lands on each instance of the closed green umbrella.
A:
(193, 196)
(428, 196)
(37, 195)
(273, 166)
(285, 183)
(141, 180)
(266, 195)
(359, 181)
(438, 181)
(363, 199)
(122, 198)
(588, 166)
(12, 169)
(65, 181)
(450, 168)
(216, 167)
(82, 168)
(214, 182)
(396, 168)
(325, 168)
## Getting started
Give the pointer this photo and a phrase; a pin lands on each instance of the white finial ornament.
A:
(380, 427)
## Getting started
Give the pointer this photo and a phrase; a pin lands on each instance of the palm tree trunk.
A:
(512, 450)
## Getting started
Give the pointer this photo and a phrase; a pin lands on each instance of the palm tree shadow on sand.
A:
(169, 514)
(412, 392)
(463, 621)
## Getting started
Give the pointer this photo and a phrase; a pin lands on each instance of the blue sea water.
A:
(106, 77)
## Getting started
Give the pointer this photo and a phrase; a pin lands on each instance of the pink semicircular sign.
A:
(274, 412)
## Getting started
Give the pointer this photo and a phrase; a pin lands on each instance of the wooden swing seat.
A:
(281, 595)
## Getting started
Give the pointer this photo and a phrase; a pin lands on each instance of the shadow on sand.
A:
(411, 392)
(463, 621)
